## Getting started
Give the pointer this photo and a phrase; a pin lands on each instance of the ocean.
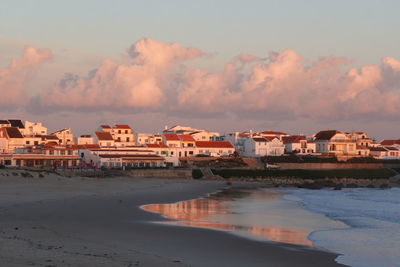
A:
(362, 225)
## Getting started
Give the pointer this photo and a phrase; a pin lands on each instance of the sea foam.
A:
(373, 217)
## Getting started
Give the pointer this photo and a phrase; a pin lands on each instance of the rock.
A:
(313, 186)
(352, 185)
(338, 187)
(384, 186)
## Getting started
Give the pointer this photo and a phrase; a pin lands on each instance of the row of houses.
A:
(110, 146)
(343, 145)
(30, 144)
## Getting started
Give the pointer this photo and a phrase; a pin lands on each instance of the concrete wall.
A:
(285, 165)
(162, 173)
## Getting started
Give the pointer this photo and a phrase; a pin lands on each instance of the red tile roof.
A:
(122, 126)
(218, 144)
(293, 139)
(186, 138)
(13, 132)
(273, 133)
(377, 149)
(244, 134)
(260, 139)
(171, 137)
(104, 136)
(105, 126)
(390, 142)
(160, 145)
(264, 139)
(326, 135)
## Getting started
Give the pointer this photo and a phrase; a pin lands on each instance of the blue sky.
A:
(362, 30)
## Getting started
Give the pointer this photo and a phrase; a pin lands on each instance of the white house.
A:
(104, 139)
(42, 156)
(34, 128)
(85, 139)
(385, 152)
(65, 136)
(197, 134)
(263, 146)
(336, 143)
(122, 157)
(362, 139)
(298, 144)
(214, 148)
(10, 139)
(123, 135)
(147, 138)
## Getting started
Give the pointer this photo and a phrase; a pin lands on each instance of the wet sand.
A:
(56, 221)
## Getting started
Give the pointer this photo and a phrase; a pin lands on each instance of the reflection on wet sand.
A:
(199, 212)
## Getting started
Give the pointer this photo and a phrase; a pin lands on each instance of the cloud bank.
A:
(15, 77)
(279, 86)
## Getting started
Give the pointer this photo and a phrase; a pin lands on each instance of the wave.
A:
(373, 217)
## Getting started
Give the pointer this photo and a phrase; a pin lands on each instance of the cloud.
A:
(15, 77)
(140, 85)
(277, 87)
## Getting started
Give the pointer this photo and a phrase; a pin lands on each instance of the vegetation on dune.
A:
(310, 159)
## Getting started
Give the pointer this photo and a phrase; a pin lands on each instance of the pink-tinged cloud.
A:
(15, 77)
(278, 87)
(139, 85)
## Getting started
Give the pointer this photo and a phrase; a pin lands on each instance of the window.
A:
(36, 143)
(51, 152)
(127, 139)
(126, 131)
(28, 142)
(119, 131)
(62, 152)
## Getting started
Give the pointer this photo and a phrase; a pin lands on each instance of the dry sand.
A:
(58, 221)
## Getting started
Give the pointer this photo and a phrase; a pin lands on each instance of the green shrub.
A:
(197, 174)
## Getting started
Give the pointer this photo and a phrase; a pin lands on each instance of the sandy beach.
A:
(59, 221)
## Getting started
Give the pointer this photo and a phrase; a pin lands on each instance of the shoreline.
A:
(100, 223)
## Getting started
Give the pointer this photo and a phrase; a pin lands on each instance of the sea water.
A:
(260, 214)
(361, 225)
(372, 237)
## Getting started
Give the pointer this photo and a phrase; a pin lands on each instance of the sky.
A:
(295, 66)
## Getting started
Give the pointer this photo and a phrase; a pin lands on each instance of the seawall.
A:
(310, 166)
